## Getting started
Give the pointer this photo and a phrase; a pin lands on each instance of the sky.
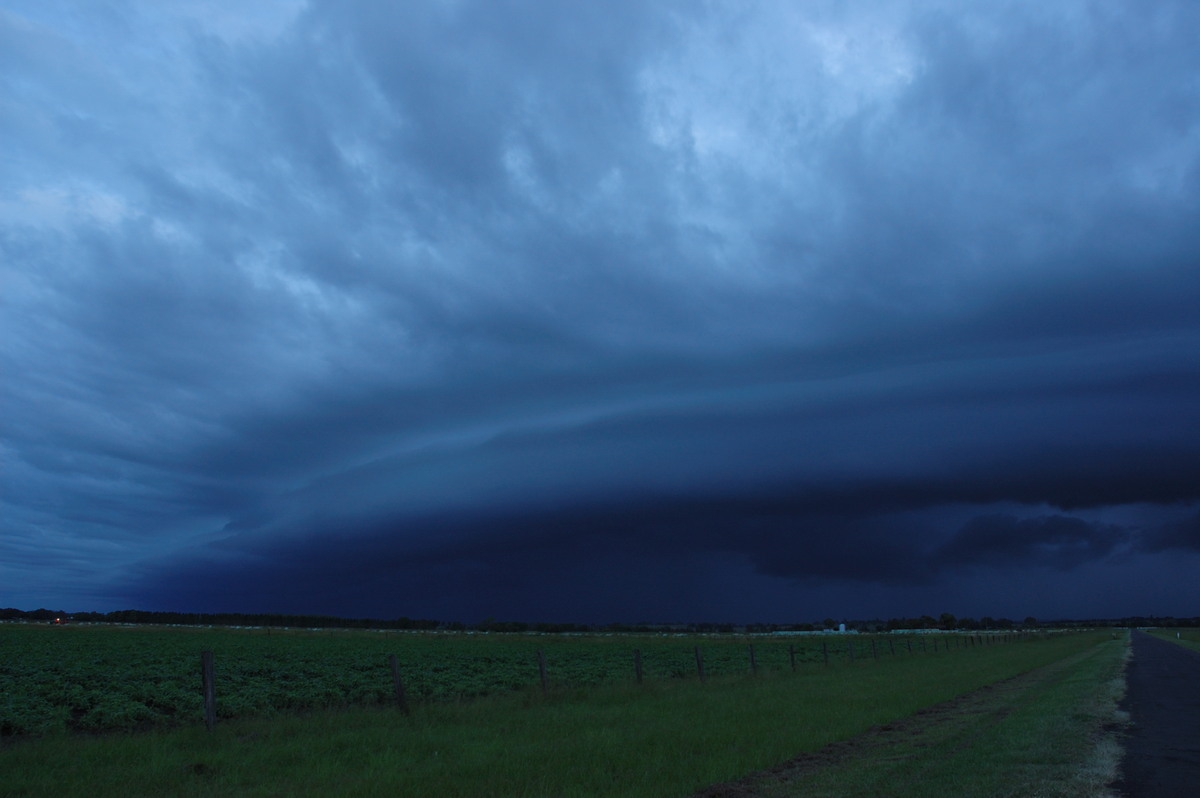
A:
(601, 312)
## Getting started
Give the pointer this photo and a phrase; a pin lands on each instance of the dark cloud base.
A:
(626, 565)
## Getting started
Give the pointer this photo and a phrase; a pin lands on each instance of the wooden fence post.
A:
(637, 664)
(542, 670)
(792, 656)
(850, 649)
(753, 661)
(874, 651)
(825, 651)
(909, 643)
(398, 684)
(208, 681)
(699, 663)
(892, 646)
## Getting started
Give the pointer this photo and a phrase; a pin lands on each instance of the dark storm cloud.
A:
(1058, 541)
(425, 309)
(1179, 536)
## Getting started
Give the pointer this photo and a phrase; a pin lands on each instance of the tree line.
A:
(944, 622)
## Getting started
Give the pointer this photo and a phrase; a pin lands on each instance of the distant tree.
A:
(946, 621)
(42, 614)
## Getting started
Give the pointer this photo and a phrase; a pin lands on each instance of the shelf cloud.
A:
(641, 311)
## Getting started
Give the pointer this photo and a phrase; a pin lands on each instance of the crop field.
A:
(101, 678)
(1023, 718)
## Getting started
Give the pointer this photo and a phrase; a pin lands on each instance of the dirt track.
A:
(1162, 753)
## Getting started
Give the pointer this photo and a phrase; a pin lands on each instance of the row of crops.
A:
(99, 678)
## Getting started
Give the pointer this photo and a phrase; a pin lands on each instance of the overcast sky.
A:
(601, 311)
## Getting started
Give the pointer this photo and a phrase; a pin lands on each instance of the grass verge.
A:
(1184, 637)
(1050, 732)
(668, 738)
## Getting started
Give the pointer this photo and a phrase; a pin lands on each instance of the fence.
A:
(856, 648)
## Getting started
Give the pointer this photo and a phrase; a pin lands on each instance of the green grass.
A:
(1047, 733)
(668, 737)
(1184, 637)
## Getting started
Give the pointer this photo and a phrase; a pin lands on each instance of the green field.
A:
(103, 677)
(668, 736)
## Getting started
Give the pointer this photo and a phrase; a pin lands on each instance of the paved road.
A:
(1162, 753)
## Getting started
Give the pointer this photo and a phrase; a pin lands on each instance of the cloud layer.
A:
(640, 311)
